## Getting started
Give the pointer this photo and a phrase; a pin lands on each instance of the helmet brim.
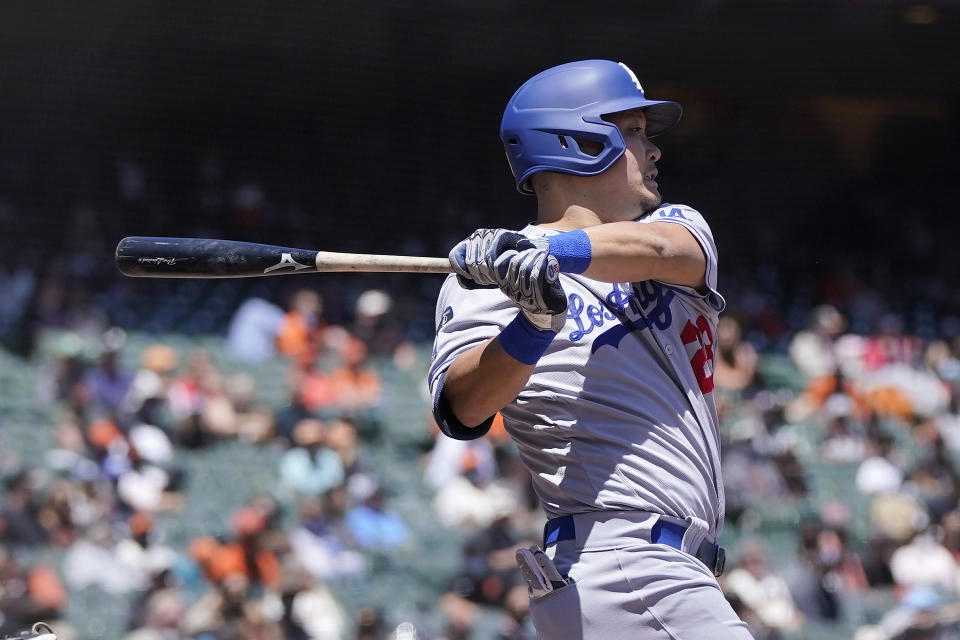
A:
(662, 115)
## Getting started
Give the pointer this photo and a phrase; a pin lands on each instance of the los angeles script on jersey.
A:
(643, 305)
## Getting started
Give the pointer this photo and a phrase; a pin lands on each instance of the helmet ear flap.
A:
(598, 140)
(589, 147)
(571, 145)
(583, 145)
(586, 146)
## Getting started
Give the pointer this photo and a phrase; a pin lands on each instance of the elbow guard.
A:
(447, 420)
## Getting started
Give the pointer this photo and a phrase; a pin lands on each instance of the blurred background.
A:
(255, 459)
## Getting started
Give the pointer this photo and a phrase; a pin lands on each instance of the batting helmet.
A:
(553, 110)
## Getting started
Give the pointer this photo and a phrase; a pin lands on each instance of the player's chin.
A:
(651, 199)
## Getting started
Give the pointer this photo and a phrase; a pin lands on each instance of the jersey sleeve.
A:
(696, 225)
(464, 319)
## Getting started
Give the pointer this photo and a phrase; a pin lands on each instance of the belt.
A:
(713, 556)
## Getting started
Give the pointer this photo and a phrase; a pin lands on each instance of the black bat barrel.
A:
(148, 257)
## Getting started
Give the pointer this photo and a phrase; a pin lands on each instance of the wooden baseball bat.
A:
(147, 257)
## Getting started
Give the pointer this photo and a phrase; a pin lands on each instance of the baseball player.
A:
(592, 332)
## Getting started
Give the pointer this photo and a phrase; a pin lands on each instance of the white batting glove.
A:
(530, 276)
(473, 259)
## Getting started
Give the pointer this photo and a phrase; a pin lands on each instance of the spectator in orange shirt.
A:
(355, 384)
(302, 327)
(245, 556)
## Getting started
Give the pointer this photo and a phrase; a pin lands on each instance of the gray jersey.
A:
(619, 412)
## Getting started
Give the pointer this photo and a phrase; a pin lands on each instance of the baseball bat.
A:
(148, 257)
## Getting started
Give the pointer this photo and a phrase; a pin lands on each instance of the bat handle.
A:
(332, 261)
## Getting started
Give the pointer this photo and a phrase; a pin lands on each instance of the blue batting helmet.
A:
(554, 109)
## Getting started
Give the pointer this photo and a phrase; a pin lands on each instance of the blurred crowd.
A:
(839, 410)
(875, 412)
(115, 470)
(854, 447)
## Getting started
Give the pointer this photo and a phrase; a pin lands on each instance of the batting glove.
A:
(473, 259)
(530, 276)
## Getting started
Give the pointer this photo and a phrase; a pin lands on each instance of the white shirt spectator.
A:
(878, 475)
(461, 503)
(923, 562)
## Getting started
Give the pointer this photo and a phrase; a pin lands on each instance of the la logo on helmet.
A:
(633, 76)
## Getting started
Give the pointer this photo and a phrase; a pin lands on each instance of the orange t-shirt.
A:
(229, 559)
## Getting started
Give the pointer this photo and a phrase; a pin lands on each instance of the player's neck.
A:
(578, 216)
(567, 202)
(569, 218)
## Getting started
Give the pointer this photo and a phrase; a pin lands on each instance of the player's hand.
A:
(473, 259)
(530, 276)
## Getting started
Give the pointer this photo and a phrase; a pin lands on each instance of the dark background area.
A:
(818, 136)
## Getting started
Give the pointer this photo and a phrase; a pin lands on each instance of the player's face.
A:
(636, 170)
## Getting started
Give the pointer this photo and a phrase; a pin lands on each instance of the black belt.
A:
(663, 532)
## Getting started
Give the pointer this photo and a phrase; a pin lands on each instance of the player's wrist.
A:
(572, 250)
(524, 341)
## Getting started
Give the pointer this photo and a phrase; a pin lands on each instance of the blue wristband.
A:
(572, 250)
(524, 342)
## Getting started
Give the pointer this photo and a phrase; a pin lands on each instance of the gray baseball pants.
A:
(626, 588)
